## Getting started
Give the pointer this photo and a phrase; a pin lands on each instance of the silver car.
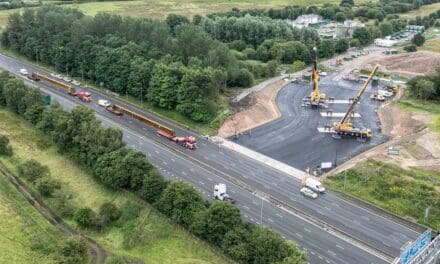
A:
(309, 193)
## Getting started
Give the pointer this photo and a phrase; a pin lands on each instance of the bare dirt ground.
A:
(256, 109)
(409, 64)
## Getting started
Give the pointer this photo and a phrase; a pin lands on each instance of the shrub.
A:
(5, 148)
(73, 251)
(410, 48)
(32, 170)
(84, 217)
(47, 186)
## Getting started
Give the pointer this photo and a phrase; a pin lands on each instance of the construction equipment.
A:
(83, 96)
(70, 90)
(316, 98)
(188, 142)
(345, 127)
(338, 62)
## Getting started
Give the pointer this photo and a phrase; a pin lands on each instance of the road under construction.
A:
(331, 229)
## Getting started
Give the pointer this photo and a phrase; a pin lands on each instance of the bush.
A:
(298, 65)
(46, 186)
(109, 212)
(5, 148)
(84, 217)
(418, 40)
(32, 170)
(73, 251)
(410, 48)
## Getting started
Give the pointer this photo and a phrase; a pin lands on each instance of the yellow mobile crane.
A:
(316, 98)
(345, 127)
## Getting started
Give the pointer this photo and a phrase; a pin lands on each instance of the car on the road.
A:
(59, 76)
(24, 71)
(66, 79)
(309, 193)
(104, 103)
(75, 82)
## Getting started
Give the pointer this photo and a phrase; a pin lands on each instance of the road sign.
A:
(408, 251)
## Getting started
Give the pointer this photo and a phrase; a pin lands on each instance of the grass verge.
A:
(162, 241)
(422, 11)
(404, 192)
(20, 226)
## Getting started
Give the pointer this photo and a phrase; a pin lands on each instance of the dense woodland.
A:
(79, 134)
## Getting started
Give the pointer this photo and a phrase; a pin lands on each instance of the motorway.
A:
(210, 164)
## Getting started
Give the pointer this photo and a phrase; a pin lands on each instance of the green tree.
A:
(348, 3)
(418, 39)
(341, 45)
(326, 49)
(236, 244)
(363, 35)
(5, 148)
(340, 17)
(181, 202)
(219, 219)
(152, 186)
(298, 65)
(32, 170)
(355, 42)
(386, 28)
(174, 20)
(424, 89)
(84, 217)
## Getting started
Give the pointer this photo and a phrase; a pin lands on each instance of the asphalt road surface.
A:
(294, 138)
(209, 165)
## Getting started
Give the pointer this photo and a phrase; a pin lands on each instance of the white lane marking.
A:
(202, 183)
(245, 207)
(313, 253)
(280, 216)
(307, 230)
(184, 173)
(244, 175)
(157, 152)
(298, 235)
(191, 169)
(149, 154)
(128, 136)
(331, 252)
(328, 208)
(320, 257)
(270, 220)
(327, 261)
(232, 191)
(338, 246)
(164, 163)
(173, 160)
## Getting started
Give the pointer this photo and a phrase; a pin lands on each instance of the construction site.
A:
(318, 120)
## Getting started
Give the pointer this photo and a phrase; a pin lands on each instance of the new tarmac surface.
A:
(294, 138)
(209, 165)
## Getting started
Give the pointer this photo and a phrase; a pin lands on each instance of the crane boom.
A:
(315, 76)
(348, 114)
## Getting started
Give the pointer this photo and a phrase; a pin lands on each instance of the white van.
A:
(104, 103)
(24, 71)
(315, 185)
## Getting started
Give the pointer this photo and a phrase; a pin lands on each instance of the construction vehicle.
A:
(83, 96)
(345, 127)
(377, 97)
(316, 99)
(188, 142)
(220, 193)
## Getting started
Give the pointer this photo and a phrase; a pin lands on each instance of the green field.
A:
(164, 241)
(20, 226)
(422, 11)
(431, 45)
(404, 192)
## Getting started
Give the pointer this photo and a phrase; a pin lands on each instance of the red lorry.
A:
(84, 96)
(187, 142)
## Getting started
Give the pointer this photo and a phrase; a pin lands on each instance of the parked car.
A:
(53, 74)
(24, 71)
(75, 82)
(66, 79)
(309, 193)
(59, 76)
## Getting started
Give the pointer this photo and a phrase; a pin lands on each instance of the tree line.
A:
(173, 64)
(425, 87)
(78, 134)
